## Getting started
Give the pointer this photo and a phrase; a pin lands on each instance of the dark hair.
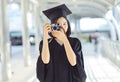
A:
(69, 28)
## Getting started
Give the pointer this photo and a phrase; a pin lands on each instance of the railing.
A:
(111, 50)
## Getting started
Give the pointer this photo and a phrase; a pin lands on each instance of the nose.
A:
(61, 25)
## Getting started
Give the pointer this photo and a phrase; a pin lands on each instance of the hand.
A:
(59, 34)
(46, 29)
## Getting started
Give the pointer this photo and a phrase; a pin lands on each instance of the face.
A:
(63, 23)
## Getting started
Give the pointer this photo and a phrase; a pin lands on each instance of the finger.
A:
(47, 25)
(56, 33)
(49, 30)
(61, 29)
(53, 32)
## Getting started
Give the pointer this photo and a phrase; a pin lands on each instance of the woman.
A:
(61, 58)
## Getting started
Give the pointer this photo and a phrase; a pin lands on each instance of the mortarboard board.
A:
(58, 11)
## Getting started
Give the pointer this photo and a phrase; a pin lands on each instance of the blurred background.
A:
(95, 22)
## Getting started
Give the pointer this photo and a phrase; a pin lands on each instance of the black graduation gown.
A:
(59, 68)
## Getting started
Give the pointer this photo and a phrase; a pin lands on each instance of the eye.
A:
(58, 24)
(64, 23)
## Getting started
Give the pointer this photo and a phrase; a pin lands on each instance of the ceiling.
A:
(82, 8)
(79, 8)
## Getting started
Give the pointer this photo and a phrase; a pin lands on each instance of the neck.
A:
(60, 42)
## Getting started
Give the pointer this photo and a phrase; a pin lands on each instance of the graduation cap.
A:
(56, 12)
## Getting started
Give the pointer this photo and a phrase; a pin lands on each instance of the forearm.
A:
(69, 52)
(45, 51)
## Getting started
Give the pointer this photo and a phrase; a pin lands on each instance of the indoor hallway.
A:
(99, 68)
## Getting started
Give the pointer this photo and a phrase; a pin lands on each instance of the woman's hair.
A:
(69, 28)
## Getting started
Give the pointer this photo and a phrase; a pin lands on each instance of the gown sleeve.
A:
(41, 67)
(78, 71)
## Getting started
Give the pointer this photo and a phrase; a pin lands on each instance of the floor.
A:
(98, 68)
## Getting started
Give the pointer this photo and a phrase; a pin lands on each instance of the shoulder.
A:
(73, 39)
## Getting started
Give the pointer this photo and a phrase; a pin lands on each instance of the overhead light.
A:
(74, 0)
(14, 6)
(51, 2)
(118, 7)
(109, 14)
(11, 0)
(34, 1)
